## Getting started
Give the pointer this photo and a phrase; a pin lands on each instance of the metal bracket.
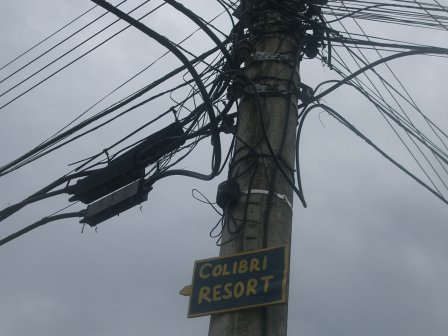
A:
(272, 90)
(261, 56)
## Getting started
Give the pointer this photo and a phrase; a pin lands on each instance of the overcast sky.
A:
(369, 254)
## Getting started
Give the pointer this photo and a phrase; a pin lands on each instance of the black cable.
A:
(54, 47)
(226, 8)
(103, 124)
(268, 144)
(42, 194)
(408, 126)
(128, 80)
(47, 38)
(409, 100)
(196, 19)
(383, 112)
(369, 142)
(424, 141)
(216, 142)
(207, 201)
(68, 64)
(353, 13)
(162, 174)
(413, 47)
(421, 51)
(413, 16)
(39, 223)
(4, 169)
(182, 123)
(271, 184)
(5, 213)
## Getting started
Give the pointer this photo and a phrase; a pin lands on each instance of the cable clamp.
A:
(306, 93)
(284, 198)
(261, 56)
(272, 90)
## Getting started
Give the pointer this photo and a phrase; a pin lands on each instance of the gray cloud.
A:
(369, 254)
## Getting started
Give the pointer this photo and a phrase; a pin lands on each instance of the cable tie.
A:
(173, 109)
(105, 151)
(284, 198)
(271, 90)
(262, 56)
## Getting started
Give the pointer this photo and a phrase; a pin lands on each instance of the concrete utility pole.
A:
(263, 216)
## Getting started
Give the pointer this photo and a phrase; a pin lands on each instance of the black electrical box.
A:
(129, 166)
(115, 203)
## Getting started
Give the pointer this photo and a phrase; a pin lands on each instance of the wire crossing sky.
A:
(85, 88)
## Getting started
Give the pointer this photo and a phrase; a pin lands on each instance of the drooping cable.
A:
(48, 37)
(39, 223)
(369, 142)
(10, 101)
(9, 167)
(216, 143)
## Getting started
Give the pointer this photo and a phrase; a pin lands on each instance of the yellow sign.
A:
(239, 281)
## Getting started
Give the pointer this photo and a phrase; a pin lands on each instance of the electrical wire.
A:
(48, 37)
(39, 223)
(10, 101)
(130, 79)
(204, 109)
(11, 166)
(386, 156)
(42, 194)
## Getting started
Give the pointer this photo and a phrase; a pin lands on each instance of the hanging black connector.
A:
(306, 93)
(228, 125)
(228, 194)
(129, 166)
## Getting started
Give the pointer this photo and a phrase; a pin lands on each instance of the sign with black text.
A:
(244, 280)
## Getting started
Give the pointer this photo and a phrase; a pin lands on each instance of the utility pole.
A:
(264, 152)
